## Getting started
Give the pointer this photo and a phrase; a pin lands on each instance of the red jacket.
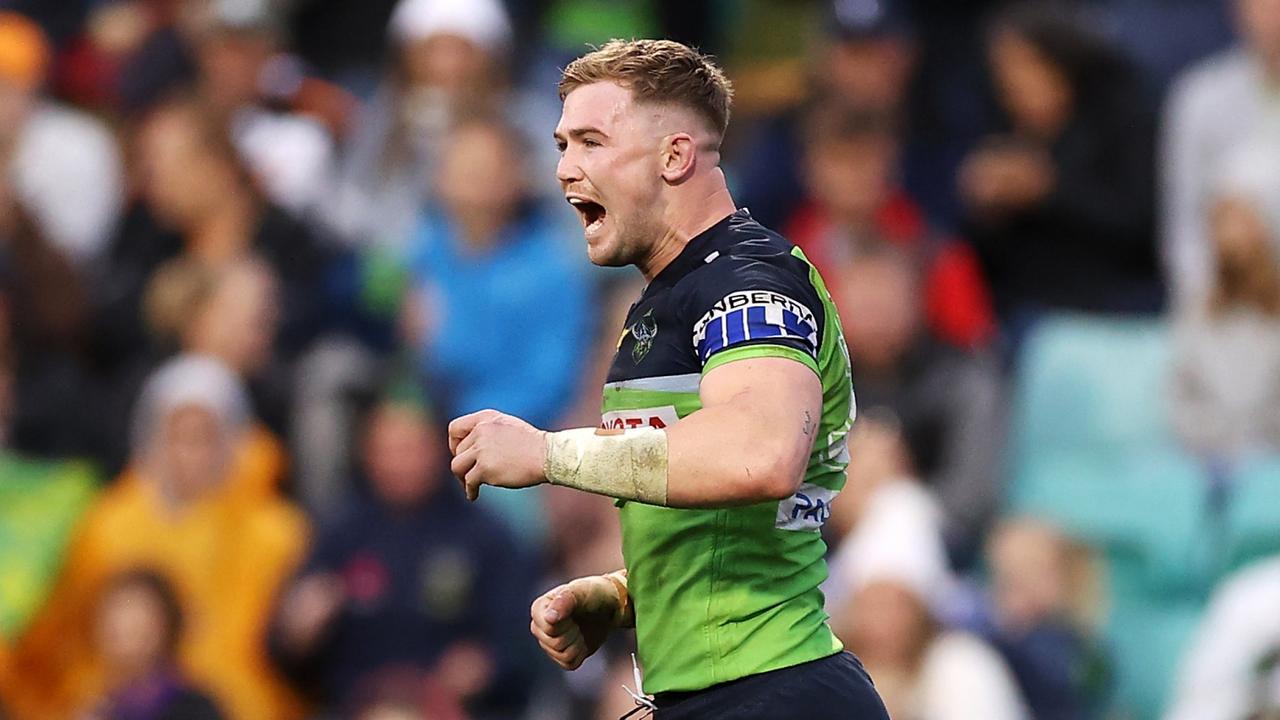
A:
(957, 303)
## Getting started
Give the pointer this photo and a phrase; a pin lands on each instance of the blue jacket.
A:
(512, 325)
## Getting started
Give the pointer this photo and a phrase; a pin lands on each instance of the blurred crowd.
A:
(255, 253)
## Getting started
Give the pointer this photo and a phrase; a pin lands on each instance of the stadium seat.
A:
(1146, 511)
(1092, 386)
(1091, 448)
(1147, 641)
(1253, 516)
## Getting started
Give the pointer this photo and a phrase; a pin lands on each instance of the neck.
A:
(127, 672)
(853, 222)
(695, 214)
(225, 231)
(481, 230)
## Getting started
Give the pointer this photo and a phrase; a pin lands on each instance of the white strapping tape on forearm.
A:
(629, 465)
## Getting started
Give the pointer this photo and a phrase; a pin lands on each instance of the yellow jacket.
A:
(227, 555)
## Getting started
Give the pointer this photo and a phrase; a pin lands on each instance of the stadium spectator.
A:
(243, 62)
(1231, 668)
(1045, 605)
(198, 201)
(945, 400)
(1210, 109)
(877, 455)
(46, 332)
(499, 300)
(139, 626)
(866, 64)
(129, 55)
(179, 509)
(230, 313)
(447, 60)
(1227, 367)
(1059, 199)
(894, 581)
(856, 205)
(410, 577)
(60, 165)
(284, 122)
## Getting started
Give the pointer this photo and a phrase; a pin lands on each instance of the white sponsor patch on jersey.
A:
(654, 417)
(807, 510)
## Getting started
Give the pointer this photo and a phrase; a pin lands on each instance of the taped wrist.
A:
(625, 617)
(629, 465)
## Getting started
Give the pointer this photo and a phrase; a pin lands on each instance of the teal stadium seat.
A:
(1147, 640)
(1093, 386)
(1253, 517)
(1091, 448)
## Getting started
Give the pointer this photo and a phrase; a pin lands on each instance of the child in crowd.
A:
(138, 627)
(1044, 602)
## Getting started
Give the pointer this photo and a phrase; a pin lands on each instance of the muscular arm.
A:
(751, 440)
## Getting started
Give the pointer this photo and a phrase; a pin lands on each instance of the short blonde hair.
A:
(657, 71)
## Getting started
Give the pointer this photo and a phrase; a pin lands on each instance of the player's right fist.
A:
(571, 621)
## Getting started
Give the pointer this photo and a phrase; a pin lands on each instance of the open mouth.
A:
(591, 212)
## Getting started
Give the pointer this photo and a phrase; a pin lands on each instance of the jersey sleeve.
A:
(746, 308)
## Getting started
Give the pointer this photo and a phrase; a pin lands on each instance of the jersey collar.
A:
(701, 249)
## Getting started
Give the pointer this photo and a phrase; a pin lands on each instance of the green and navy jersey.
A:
(722, 594)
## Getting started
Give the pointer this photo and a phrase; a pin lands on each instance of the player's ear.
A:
(679, 157)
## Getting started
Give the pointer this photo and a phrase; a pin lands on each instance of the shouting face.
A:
(611, 170)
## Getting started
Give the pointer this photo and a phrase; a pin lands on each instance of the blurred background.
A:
(255, 253)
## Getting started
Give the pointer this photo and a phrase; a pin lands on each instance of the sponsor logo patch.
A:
(654, 417)
(807, 510)
(753, 315)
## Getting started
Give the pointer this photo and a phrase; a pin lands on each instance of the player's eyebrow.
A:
(579, 132)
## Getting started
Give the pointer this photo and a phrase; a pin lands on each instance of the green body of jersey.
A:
(722, 594)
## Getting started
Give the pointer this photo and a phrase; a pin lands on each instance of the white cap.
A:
(483, 22)
(190, 380)
(898, 540)
(291, 155)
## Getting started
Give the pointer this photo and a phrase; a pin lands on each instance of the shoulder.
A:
(746, 256)
(1205, 84)
(750, 289)
(63, 128)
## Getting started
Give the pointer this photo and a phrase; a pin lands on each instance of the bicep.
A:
(777, 396)
(752, 437)
(779, 382)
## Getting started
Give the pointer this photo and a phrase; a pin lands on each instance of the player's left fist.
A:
(493, 448)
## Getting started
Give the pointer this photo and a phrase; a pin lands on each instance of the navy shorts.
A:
(832, 688)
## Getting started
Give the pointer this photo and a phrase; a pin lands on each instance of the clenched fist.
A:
(572, 621)
(492, 448)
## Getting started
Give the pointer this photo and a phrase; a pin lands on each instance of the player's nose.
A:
(568, 170)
